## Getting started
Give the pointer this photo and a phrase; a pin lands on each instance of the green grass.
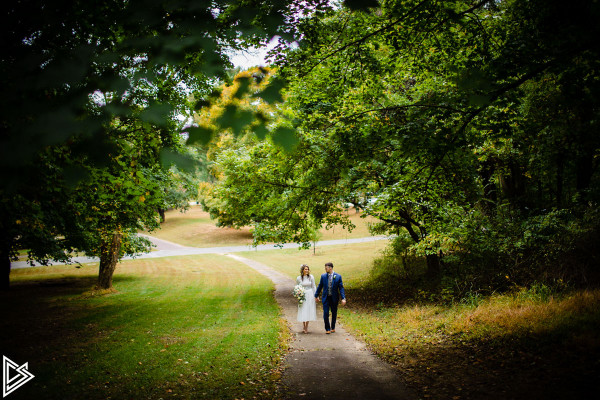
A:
(494, 319)
(183, 327)
(546, 346)
(208, 327)
(549, 347)
(194, 228)
(353, 261)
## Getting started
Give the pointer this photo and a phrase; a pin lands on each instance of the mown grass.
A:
(183, 327)
(529, 344)
(194, 228)
(173, 328)
(352, 261)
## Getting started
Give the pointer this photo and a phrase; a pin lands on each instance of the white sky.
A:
(252, 57)
(249, 58)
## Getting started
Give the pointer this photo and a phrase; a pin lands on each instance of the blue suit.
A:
(330, 301)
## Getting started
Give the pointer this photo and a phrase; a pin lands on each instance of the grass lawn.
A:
(352, 261)
(184, 327)
(208, 327)
(525, 345)
(517, 346)
(194, 228)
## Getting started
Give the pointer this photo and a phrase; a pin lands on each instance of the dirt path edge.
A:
(335, 366)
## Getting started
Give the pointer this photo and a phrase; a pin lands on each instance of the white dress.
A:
(307, 311)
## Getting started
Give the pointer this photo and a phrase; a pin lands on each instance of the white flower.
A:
(299, 293)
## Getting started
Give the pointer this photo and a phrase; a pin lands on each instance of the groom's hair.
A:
(329, 264)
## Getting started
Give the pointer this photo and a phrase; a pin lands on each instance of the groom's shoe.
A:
(328, 332)
(333, 331)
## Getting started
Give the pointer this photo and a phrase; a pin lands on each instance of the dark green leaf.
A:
(261, 131)
(285, 137)
(272, 93)
(157, 114)
(170, 157)
(235, 119)
(243, 88)
(479, 100)
(199, 134)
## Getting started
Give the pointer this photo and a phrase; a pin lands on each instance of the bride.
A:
(307, 311)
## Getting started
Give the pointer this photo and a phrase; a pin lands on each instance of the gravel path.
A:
(335, 366)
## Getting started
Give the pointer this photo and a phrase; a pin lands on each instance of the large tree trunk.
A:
(434, 268)
(585, 171)
(109, 256)
(4, 269)
(161, 212)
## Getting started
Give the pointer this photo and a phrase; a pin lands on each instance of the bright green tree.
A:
(446, 120)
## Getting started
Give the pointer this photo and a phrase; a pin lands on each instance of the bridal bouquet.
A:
(299, 294)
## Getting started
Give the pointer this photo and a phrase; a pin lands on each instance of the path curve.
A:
(170, 249)
(335, 366)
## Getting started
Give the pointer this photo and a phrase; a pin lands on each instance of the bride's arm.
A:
(312, 280)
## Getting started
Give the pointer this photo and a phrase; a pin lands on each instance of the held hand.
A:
(343, 302)
(317, 299)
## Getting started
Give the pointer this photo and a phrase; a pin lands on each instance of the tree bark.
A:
(109, 256)
(161, 212)
(434, 269)
(585, 171)
(5, 269)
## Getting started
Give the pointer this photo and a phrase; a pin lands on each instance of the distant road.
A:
(170, 249)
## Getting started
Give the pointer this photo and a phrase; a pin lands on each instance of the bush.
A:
(512, 250)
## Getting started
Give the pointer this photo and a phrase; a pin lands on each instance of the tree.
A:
(442, 114)
(254, 175)
(443, 107)
(79, 76)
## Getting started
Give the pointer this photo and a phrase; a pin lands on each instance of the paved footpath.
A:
(335, 366)
(170, 249)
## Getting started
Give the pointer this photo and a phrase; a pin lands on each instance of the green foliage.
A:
(105, 83)
(468, 125)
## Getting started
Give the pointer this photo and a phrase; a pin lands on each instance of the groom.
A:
(333, 289)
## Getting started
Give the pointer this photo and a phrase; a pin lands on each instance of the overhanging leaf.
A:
(157, 114)
(285, 137)
(358, 5)
(260, 131)
(235, 119)
(169, 157)
(199, 134)
(272, 93)
(244, 87)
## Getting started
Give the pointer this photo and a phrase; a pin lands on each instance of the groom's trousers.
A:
(327, 305)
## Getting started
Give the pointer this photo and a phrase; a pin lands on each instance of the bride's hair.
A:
(302, 271)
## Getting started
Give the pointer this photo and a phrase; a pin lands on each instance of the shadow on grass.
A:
(146, 340)
(514, 368)
(562, 362)
(49, 319)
